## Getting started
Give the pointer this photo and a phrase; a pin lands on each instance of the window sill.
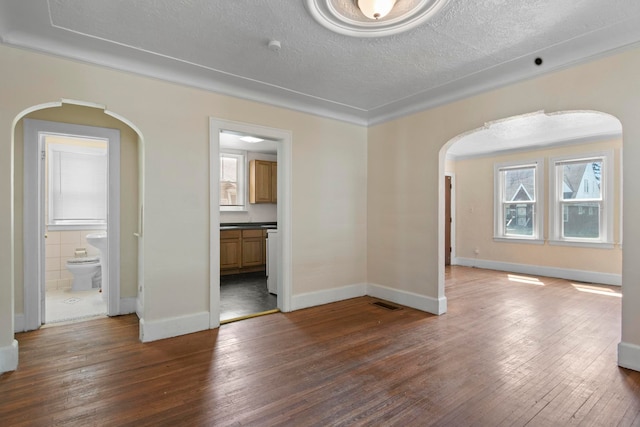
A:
(581, 244)
(518, 240)
(233, 209)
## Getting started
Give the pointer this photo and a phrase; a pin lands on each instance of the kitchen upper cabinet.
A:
(230, 249)
(274, 182)
(263, 182)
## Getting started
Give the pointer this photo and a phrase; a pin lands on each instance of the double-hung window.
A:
(518, 202)
(232, 182)
(78, 183)
(582, 200)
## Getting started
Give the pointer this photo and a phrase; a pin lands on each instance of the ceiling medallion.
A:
(344, 16)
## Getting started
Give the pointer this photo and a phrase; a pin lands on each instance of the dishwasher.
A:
(272, 261)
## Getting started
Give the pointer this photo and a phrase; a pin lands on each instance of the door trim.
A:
(453, 215)
(284, 138)
(33, 213)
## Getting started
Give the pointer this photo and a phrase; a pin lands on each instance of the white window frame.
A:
(499, 234)
(53, 153)
(241, 156)
(556, 216)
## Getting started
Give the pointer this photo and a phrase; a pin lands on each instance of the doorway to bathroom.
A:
(71, 207)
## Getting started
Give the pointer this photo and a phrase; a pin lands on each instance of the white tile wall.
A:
(59, 247)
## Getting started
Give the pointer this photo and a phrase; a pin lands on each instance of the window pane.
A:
(581, 220)
(581, 180)
(232, 186)
(228, 169)
(519, 184)
(228, 193)
(519, 219)
(77, 185)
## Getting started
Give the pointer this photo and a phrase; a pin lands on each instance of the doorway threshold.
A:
(249, 316)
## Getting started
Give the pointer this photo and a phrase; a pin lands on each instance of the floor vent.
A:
(386, 305)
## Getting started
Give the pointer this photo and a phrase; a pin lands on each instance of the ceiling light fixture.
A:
(251, 139)
(375, 9)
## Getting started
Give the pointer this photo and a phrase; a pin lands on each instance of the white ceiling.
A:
(221, 45)
(536, 129)
(230, 141)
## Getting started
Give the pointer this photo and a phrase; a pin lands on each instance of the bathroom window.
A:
(232, 182)
(77, 184)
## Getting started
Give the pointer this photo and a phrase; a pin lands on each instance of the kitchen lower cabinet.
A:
(252, 248)
(242, 251)
(230, 249)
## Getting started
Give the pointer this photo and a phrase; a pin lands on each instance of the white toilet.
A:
(84, 270)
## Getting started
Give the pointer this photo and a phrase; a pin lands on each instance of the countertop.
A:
(248, 225)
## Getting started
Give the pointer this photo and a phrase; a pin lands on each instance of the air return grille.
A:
(386, 305)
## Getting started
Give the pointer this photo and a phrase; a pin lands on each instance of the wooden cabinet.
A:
(230, 249)
(242, 251)
(252, 248)
(274, 182)
(263, 181)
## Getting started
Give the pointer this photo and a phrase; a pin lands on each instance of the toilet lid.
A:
(84, 260)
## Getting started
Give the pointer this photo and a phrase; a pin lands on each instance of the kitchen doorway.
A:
(250, 211)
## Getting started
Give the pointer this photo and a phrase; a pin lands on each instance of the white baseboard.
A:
(9, 357)
(538, 270)
(128, 305)
(174, 326)
(409, 299)
(18, 323)
(629, 356)
(139, 307)
(312, 299)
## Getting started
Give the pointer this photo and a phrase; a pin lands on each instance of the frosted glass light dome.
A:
(376, 9)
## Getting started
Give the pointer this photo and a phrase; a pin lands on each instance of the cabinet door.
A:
(274, 182)
(230, 252)
(259, 181)
(252, 249)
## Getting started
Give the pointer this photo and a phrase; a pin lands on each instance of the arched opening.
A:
(538, 194)
(125, 247)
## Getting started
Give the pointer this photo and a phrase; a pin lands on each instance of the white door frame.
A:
(284, 138)
(33, 215)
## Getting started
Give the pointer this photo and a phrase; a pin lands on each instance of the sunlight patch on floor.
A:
(525, 279)
(600, 290)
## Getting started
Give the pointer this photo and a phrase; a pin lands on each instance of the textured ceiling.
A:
(535, 129)
(221, 45)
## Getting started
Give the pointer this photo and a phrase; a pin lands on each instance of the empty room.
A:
(436, 199)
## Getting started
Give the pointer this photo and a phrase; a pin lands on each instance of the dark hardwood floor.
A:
(536, 352)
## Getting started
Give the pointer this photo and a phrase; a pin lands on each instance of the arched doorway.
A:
(570, 154)
(127, 290)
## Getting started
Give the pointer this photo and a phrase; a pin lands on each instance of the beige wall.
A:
(475, 207)
(405, 162)
(329, 175)
(359, 213)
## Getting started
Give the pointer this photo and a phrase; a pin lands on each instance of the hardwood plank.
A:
(531, 352)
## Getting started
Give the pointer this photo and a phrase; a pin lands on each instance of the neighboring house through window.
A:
(518, 201)
(232, 181)
(582, 199)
